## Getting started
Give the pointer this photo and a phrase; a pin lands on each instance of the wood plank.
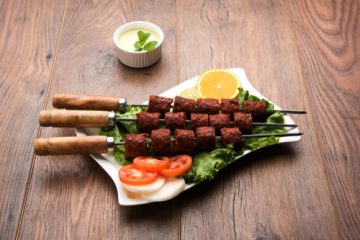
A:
(277, 193)
(27, 54)
(328, 34)
(73, 196)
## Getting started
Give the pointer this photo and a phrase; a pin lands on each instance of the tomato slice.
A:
(151, 163)
(178, 165)
(133, 176)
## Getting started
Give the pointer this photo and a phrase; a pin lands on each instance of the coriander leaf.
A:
(150, 46)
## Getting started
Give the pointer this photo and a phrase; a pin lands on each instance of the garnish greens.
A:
(119, 133)
(130, 112)
(277, 117)
(142, 43)
(205, 164)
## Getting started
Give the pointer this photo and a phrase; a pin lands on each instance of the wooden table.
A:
(301, 54)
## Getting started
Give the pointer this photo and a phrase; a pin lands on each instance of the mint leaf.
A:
(138, 46)
(150, 46)
(143, 37)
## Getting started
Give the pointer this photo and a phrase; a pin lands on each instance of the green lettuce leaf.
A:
(130, 112)
(119, 133)
(245, 95)
(254, 143)
(277, 117)
(207, 164)
(118, 136)
(112, 132)
(120, 157)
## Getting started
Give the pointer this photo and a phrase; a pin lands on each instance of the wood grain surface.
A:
(28, 37)
(74, 118)
(268, 198)
(300, 54)
(83, 102)
(328, 40)
(71, 145)
(75, 187)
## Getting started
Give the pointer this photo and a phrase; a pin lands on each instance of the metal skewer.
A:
(84, 119)
(231, 122)
(101, 144)
(218, 138)
(86, 102)
(269, 111)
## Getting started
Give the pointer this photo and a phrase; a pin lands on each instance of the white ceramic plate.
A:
(108, 163)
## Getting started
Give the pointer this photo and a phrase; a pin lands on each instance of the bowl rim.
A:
(130, 25)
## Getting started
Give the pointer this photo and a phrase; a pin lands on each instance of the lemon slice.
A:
(218, 83)
(191, 93)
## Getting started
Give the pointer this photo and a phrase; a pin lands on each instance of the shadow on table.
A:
(165, 211)
(75, 176)
(138, 74)
(272, 155)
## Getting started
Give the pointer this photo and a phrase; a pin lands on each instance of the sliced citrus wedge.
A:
(218, 83)
(191, 93)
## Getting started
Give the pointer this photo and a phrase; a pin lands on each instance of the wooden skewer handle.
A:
(85, 102)
(73, 118)
(71, 145)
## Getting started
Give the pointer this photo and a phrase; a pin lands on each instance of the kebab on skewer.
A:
(153, 178)
(207, 117)
(163, 105)
(185, 141)
(146, 122)
(203, 123)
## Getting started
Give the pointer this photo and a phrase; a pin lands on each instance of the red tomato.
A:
(178, 165)
(133, 176)
(151, 163)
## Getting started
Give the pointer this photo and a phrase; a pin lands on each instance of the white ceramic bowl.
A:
(138, 59)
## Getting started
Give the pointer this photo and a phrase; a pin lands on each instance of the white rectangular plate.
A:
(109, 164)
